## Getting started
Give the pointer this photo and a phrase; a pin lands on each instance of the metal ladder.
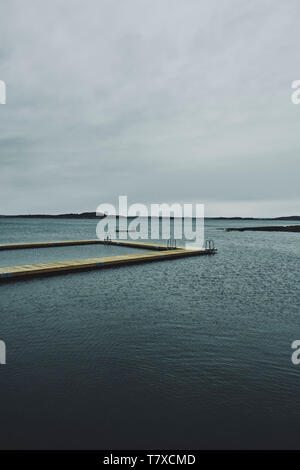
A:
(171, 245)
(210, 245)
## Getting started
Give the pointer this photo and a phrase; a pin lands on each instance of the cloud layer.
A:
(161, 100)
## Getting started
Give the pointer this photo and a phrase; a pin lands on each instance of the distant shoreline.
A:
(83, 215)
(93, 215)
(274, 228)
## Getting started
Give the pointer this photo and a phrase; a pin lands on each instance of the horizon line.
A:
(93, 215)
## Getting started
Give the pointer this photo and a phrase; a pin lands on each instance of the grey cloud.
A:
(162, 100)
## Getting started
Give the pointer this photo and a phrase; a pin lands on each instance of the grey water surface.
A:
(188, 353)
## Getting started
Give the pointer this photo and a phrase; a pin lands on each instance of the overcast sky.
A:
(159, 100)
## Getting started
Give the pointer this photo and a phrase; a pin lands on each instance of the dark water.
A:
(189, 353)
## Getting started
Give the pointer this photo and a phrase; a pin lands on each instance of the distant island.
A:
(289, 218)
(83, 215)
(270, 228)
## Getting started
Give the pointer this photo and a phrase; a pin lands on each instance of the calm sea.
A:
(189, 353)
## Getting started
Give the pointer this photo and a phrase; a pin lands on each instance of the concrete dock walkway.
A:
(161, 253)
